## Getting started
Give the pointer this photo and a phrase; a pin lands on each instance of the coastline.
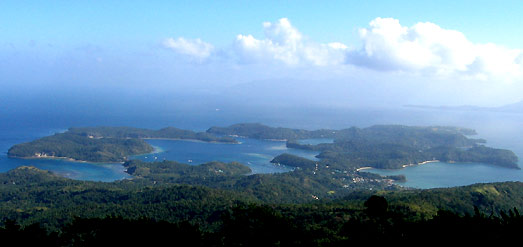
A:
(276, 140)
(403, 166)
(156, 150)
(420, 163)
(189, 140)
(65, 158)
(364, 168)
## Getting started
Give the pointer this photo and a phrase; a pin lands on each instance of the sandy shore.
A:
(421, 163)
(363, 168)
(403, 166)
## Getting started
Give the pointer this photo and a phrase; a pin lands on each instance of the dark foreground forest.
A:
(264, 225)
(41, 208)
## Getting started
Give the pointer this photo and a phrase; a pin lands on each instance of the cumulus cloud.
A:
(284, 43)
(426, 47)
(195, 48)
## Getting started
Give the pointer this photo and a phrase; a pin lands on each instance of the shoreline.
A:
(364, 168)
(189, 140)
(276, 140)
(402, 166)
(420, 163)
(65, 158)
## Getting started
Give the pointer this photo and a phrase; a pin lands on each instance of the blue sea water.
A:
(11, 135)
(316, 141)
(501, 130)
(256, 154)
(440, 174)
(105, 172)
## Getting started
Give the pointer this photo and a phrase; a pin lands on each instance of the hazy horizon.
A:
(344, 54)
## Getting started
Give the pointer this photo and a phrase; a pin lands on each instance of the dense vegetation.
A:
(413, 136)
(40, 208)
(392, 156)
(30, 195)
(382, 146)
(381, 133)
(298, 186)
(294, 161)
(499, 157)
(259, 131)
(255, 225)
(67, 145)
(104, 144)
(137, 133)
(174, 172)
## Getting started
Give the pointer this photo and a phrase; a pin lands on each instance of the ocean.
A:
(501, 130)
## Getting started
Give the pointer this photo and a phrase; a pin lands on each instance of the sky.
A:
(325, 53)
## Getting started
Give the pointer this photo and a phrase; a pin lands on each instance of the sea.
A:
(500, 129)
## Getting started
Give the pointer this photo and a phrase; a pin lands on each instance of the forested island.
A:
(260, 131)
(381, 146)
(80, 148)
(137, 133)
(104, 144)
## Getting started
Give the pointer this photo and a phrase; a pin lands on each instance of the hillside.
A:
(96, 213)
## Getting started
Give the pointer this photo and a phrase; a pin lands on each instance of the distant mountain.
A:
(515, 107)
(451, 108)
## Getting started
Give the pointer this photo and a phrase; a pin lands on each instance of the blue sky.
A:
(110, 22)
(466, 52)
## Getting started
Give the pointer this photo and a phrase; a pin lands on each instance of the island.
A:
(138, 133)
(380, 146)
(175, 172)
(260, 131)
(104, 144)
(80, 148)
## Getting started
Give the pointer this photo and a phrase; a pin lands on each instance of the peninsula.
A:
(104, 144)
(380, 146)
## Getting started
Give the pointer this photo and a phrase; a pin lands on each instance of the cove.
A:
(254, 153)
(441, 174)
(103, 172)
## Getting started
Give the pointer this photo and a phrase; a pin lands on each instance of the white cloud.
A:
(284, 43)
(426, 47)
(194, 48)
(422, 49)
